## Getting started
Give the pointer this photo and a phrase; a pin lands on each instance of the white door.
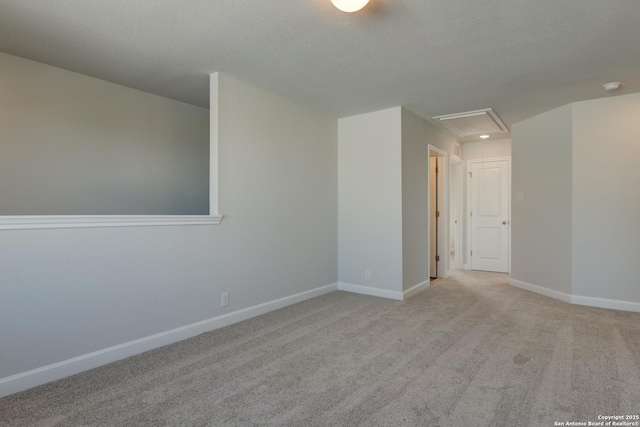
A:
(489, 215)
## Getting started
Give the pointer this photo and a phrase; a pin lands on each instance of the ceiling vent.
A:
(473, 123)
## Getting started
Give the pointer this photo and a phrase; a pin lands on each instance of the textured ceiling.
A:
(435, 57)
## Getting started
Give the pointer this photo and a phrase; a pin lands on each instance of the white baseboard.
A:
(540, 290)
(35, 377)
(606, 303)
(466, 267)
(415, 290)
(577, 299)
(368, 290)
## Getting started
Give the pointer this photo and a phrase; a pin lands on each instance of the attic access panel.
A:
(473, 123)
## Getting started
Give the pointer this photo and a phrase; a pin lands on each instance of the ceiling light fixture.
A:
(484, 136)
(349, 5)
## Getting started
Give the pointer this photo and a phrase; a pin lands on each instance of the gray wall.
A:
(576, 231)
(541, 226)
(370, 199)
(72, 144)
(383, 195)
(417, 134)
(488, 148)
(67, 292)
(606, 198)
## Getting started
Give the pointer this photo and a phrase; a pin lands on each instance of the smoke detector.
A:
(610, 87)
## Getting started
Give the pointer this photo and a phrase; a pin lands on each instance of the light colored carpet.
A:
(469, 351)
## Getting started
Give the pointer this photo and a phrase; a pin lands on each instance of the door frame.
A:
(456, 167)
(443, 240)
(468, 218)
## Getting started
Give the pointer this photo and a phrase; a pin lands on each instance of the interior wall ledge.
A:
(20, 222)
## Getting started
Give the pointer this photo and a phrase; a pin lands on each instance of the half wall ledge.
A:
(97, 221)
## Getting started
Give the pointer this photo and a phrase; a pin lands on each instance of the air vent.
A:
(473, 123)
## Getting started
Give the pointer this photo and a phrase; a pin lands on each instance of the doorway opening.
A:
(438, 213)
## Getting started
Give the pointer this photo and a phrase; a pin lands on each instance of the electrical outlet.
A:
(367, 274)
(224, 299)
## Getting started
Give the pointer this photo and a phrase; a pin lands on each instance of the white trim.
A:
(56, 371)
(439, 151)
(467, 218)
(541, 290)
(368, 290)
(453, 161)
(606, 303)
(577, 299)
(489, 159)
(22, 222)
(214, 111)
(415, 289)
